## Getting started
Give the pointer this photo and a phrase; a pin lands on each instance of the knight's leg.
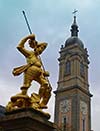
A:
(43, 83)
(26, 83)
(41, 91)
(44, 92)
(45, 98)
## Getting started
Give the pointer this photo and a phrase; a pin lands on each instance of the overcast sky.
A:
(50, 20)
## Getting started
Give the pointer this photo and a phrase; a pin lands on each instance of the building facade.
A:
(72, 97)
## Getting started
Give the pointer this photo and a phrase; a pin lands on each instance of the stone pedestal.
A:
(26, 120)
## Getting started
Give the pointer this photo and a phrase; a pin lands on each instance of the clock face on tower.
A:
(83, 107)
(65, 106)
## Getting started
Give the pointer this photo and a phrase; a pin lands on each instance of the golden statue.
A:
(33, 70)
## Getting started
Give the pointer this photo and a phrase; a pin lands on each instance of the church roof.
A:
(2, 111)
(74, 40)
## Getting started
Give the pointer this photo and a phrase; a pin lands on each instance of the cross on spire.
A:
(74, 27)
(74, 12)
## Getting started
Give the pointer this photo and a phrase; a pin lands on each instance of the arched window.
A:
(64, 123)
(82, 69)
(67, 68)
(83, 125)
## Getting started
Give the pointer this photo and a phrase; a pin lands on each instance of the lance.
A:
(27, 23)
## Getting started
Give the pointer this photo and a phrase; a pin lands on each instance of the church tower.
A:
(72, 97)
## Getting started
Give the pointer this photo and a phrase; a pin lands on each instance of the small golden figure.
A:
(33, 70)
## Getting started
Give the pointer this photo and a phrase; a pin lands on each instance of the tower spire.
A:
(74, 27)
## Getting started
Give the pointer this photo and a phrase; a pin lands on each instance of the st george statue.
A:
(33, 70)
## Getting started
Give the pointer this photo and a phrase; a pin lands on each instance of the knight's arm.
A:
(21, 47)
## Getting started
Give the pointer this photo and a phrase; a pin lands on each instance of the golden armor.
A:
(33, 70)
